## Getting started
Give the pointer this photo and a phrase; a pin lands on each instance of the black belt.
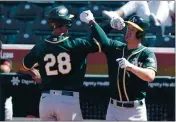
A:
(66, 93)
(127, 105)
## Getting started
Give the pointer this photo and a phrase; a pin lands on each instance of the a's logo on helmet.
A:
(61, 12)
(133, 19)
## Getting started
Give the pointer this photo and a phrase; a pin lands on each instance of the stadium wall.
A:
(97, 61)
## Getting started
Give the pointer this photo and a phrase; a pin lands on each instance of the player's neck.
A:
(133, 45)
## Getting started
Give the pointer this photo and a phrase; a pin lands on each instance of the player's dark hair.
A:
(140, 34)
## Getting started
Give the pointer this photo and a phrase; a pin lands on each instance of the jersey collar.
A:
(56, 39)
(131, 51)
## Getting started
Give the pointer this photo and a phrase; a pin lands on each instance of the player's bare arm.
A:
(34, 73)
(145, 74)
(29, 64)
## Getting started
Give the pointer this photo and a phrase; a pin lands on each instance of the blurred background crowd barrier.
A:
(24, 22)
(96, 61)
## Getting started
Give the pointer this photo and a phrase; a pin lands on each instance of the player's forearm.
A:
(143, 73)
(120, 13)
(34, 73)
(106, 27)
(99, 34)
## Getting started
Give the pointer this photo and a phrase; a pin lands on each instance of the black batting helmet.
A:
(139, 24)
(59, 16)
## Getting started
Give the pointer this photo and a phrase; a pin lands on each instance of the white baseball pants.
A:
(54, 106)
(8, 109)
(137, 113)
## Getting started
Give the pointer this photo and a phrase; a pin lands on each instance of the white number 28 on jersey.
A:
(63, 60)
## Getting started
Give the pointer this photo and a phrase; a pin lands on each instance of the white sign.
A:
(16, 81)
(8, 55)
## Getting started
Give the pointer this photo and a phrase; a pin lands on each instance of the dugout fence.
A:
(160, 99)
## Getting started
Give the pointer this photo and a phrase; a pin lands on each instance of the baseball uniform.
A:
(127, 91)
(62, 66)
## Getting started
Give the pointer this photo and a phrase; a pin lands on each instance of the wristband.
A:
(91, 22)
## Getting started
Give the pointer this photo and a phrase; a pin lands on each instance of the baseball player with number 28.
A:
(130, 66)
(62, 65)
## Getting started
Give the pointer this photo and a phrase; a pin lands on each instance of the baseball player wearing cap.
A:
(5, 67)
(130, 66)
(62, 65)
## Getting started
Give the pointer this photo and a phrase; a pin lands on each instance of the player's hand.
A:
(109, 14)
(117, 23)
(35, 75)
(86, 16)
(123, 63)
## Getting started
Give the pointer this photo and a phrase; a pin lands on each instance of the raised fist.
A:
(123, 63)
(117, 23)
(86, 16)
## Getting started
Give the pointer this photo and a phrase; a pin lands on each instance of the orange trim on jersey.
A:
(36, 64)
(124, 78)
(22, 69)
(118, 86)
(59, 41)
(98, 44)
(25, 66)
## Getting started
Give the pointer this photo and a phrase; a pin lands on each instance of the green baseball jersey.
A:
(124, 85)
(62, 62)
